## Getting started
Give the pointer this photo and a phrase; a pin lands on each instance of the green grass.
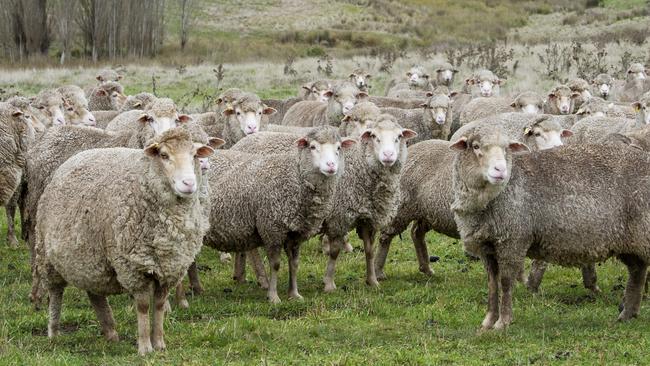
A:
(412, 319)
(624, 4)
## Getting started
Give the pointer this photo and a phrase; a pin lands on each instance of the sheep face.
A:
(602, 84)
(388, 141)
(249, 115)
(107, 76)
(343, 100)
(445, 76)
(636, 72)
(52, 111)
(161, 121)
(417, 78)
(319, 95)
(117, 99)
(594, 107)
(360, 79)
(325, 155)
(563, 98)
(357, 125)
(642, 109)
(176, 158)
(546, 134)
(204, 163)
(486, 158)
(76, 114)
(528, 103)
(437, 109)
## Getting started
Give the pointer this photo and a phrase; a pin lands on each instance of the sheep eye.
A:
(41, 107)
(537, 134)
(313, 147)
(70, 109)
(164, 156)
(475, 147)
(238, 113)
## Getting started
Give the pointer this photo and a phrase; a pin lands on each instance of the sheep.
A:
(48, 107)
(561, 100)
(319, 91)
(147, 220)
(360, 118)
(426, 182)
(582, 87)
(418, 79)
(16, 133)
(432, 120)
(636, 83)
(599, 107)
(360, 77)
(445, 73)
(137, 101)
(386, 102)
(408, 94)
(286, 129)
(76, 106)
(485, 84)
(24, 105)
(281, 107)
(602, 86)
(312, 114)
(274, 200)
(594, 130)
(107, 76)
(477, 108)
(106, 97)
(556, 205)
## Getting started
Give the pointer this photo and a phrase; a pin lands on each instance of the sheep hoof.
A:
(274, 299)
(372, 282)
(198, 290)
(488, 322)
(295, 296)
(159, 345)
(12, 242)
(225, 257)
(263, 285)
(381, 276)
(427, 271)
(595, 289)
(501, 324)
(144, 349)
(112, 336)
(330, 287)
(347, 247)
(184, 304)
(625, 316)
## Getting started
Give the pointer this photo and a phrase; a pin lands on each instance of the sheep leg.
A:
(10, 210)
(418, 231)
(637, 269)
(36, 293)
(56, 298)
(367, 234)
(255, 261)
(239, 268)
(293, 252)
(224, 257)
(195, 282)
(142, 308)
(492, 269)
(537, 269)
(104, 315)
(273, 253)
(382, 254)
(589, 278)
(334, 250)
(505, 308)
(159, 298)
(325, 244)
(181, 300)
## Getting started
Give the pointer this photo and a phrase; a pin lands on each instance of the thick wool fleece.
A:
(109, 222)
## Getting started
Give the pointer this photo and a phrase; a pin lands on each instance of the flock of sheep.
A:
(119, 193)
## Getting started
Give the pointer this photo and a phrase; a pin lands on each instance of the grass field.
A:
(411, 320)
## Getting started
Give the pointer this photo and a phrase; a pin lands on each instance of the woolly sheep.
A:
(106, 97)
(360, 118)
(417, 79)
(312, 114)
(107, 76)
(445, 73)
(595, 129)
(602, 86)
(426, 182)
(432, 120)
(281, 107)
(560, 100)
(24, 104)
(537, 205)
(48, 107)
(149, 229)
(318, 91)
(386, 102)
(360, 77)
(636, 83)
(76, 106)
(477, 108)
(485, 84)
(582, 87)
(274, 200)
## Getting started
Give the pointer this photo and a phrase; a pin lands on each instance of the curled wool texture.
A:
(132, 226)
(314, 114)
(103, 102)
(591, 130)
(14, 141)
(385, 102)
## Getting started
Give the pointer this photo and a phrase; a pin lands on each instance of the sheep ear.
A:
(215, 142)
(101, 93)
(408, 134)
(439, 70)
(551, 95)
(228, 111)
(99, 78)
(518, 147)
(636, 106)
(137, 104)
(152, 150)
(513, 104)
(424, 105)
(352, 75)
(184, 118)
(454, 71)
(218, 100)
(144, 118)
(528, 131)
(328, 93)
(17, 113)
(302, 142)
(307, 88)
(204, 151)
(501, 81)
(566, 133)
(574, 95)
(429, 94)
(469, 81)
(268, 110)
(119, 77)
(408, 74)
(366, 135)
(580, 111)
(368, 76)
(346, 118)
(347, 143)
(630, 141)
(460, 145)
(453, 94)
(362, 95)
(426, 76)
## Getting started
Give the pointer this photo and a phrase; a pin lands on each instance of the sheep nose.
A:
(189, 183)
(331, 164)
(252, 128)
(389, 154)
